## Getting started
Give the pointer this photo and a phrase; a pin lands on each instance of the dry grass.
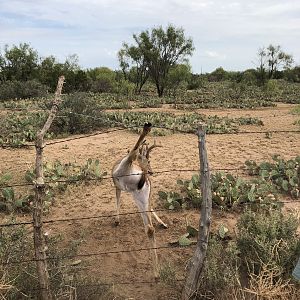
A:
(267, 285)
(5, 286)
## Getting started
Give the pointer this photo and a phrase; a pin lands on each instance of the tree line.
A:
(159, 56)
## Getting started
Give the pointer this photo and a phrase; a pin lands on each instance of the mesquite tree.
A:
(131, 56)
(277, 59)
(271, 60)
(159, 50)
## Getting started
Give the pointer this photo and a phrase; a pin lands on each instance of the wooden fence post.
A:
(197, 262)
(38, 235)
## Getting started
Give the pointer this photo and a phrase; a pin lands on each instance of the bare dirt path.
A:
(179, 152)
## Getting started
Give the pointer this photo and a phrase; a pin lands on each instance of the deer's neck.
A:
(125, 166)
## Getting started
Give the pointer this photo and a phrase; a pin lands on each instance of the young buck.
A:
(131, 174)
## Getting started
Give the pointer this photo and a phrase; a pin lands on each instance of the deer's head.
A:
(143, 157)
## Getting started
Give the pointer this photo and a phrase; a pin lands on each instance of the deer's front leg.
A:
(118, 202)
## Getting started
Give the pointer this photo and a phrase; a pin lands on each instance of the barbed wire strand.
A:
(120, 214)
(83, 218)
(99, 284)
(70, 181)
(16, 262)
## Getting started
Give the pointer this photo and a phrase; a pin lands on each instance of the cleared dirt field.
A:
(179, 152)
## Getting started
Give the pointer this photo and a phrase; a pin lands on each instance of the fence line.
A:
(110, 177)
(17, 262)
(98, 284)
(88, 255)
(114, 215)
(69, 181)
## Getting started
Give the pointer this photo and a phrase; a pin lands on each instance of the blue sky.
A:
(226, 33)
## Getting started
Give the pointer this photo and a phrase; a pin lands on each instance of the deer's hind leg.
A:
(118, 203)
(158, 219)
(141, 198)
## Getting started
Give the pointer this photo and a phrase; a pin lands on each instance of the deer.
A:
(131, 174)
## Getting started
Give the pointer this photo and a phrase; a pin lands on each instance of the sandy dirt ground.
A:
(179, 152)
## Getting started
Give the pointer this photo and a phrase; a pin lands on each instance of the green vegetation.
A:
(283, 174)
(259, 262)
(81, 114)
(22, 90)
(185, 123)
(269, 238)
(270, 60)
(229, 191)
(57, 177)
(296, 111)
(19, 128)
(261, 258)
(158, 58)
(19, 281)
(155, 54)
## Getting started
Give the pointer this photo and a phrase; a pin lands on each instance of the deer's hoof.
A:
(163, 225)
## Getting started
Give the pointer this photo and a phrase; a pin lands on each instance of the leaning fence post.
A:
(197, 262)
(38, 236)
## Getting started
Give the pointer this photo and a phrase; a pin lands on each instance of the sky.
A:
(225, 33)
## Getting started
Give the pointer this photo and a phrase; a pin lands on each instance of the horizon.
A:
(226, 35)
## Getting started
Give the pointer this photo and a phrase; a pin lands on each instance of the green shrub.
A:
(221, 269)
(73, 111)
(259, 263)
(22, 89)
(16, 245)
(296, 111)
(268, 238)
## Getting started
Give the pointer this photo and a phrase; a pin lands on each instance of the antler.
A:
(151, 148)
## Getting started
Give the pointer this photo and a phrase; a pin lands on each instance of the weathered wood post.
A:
(38, 235)
(197, 261)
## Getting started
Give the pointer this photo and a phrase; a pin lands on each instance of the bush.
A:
(15, 246)
(259, 264)
(22, 89)
(268, 238)
(19, 281)
(73, 110)
(221, 269)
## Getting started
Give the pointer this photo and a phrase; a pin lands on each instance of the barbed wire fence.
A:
(47, 288)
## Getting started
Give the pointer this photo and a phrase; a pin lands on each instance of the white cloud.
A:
(224, 32)
(214, 54)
